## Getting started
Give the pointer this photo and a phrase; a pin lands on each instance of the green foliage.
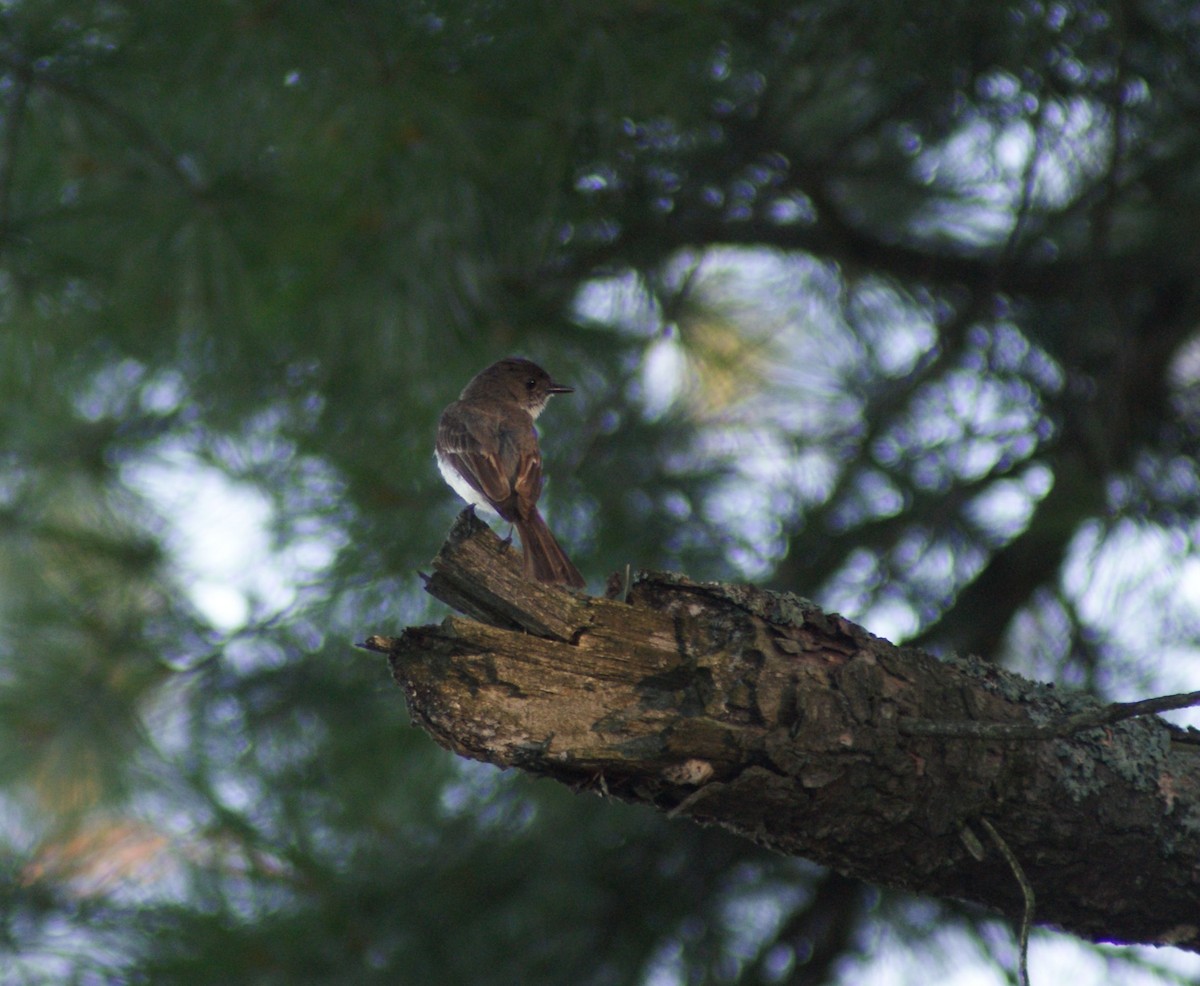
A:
(891, 304)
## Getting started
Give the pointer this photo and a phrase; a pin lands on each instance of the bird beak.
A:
(558, 388)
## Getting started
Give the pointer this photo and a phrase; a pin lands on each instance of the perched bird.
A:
(487, 450)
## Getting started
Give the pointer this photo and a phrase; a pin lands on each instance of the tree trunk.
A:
(730, 705)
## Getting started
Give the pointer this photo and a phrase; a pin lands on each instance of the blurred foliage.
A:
(894, 305)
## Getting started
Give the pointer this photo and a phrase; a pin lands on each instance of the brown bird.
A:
(487, 450)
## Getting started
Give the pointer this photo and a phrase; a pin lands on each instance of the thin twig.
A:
(1024, 204)
(1067, 726)
(1018, 871)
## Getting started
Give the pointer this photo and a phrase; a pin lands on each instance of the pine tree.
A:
(890, 305)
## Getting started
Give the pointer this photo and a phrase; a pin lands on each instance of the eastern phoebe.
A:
(487, 450)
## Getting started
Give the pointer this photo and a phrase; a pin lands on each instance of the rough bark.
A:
(757, 711)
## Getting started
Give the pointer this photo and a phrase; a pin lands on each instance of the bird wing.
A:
(475, 453)
(527, 483)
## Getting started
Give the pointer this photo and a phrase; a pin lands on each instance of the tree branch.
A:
(141, 136)
(757, 711)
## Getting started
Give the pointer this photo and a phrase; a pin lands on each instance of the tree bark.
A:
(730, 705)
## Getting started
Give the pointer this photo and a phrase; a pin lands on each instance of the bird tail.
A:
(544, 558)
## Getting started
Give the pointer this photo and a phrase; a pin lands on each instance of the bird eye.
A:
(530, 383)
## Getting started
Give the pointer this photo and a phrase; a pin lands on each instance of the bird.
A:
(487, 450)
